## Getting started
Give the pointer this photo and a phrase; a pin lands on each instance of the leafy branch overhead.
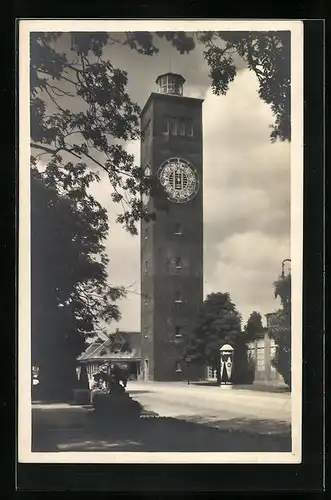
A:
(266, 53)
(81, 111)
(96, 133)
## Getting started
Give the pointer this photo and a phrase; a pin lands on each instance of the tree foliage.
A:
(266, 53)
(280, 328)
(70, 295)
(81, 114)
(81, 111)
(218, 323)
(254, 325)
(118, 342)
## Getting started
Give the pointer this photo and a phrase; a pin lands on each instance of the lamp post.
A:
(188, 361)
(283, 264)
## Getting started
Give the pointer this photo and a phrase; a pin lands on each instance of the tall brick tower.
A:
(172, 245)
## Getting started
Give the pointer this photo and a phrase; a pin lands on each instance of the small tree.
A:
(280, 329)
(118, 342)
(218, 322)
(254, 325)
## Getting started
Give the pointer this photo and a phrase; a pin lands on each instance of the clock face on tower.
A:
(179, 179)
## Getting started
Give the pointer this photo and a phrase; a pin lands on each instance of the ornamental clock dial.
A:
(179, 179)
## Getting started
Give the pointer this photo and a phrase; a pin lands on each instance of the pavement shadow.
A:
(245, 387)
(152, 434)
(278, 428)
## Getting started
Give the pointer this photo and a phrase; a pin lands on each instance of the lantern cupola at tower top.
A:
(170, 83)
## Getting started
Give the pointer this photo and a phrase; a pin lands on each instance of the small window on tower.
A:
(178, 229)
(171, 87)
(146, 234)
(178, 263)
(146, 332)
(178, 332)
(146, 266)
(178, 367)
(165, 126)
(178, 297)
(163, 84)
(189, 128)
(173, 126)
(181, 127)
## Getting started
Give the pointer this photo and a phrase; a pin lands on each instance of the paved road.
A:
(190, 418)
(253, 411)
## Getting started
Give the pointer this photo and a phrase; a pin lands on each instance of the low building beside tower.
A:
(100, 353)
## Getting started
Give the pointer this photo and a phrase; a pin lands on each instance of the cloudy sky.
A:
(246, 187)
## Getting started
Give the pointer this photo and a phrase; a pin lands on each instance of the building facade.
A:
(261, 352)
(172, 244)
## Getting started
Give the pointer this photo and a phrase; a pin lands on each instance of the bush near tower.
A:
(218, 323)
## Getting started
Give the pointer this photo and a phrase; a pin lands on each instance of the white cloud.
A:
(246, 267)
(246, 197)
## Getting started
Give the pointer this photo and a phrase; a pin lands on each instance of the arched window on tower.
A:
(173, 126)
(178, 367)
(178, 297)
(181, 127)
(178, 332)
(178, 263)
(189, 128)
(178, 229)
(165, 126)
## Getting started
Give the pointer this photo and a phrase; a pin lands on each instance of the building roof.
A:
(102, 351)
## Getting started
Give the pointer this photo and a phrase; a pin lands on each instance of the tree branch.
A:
(53, 151)
(250, 59)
